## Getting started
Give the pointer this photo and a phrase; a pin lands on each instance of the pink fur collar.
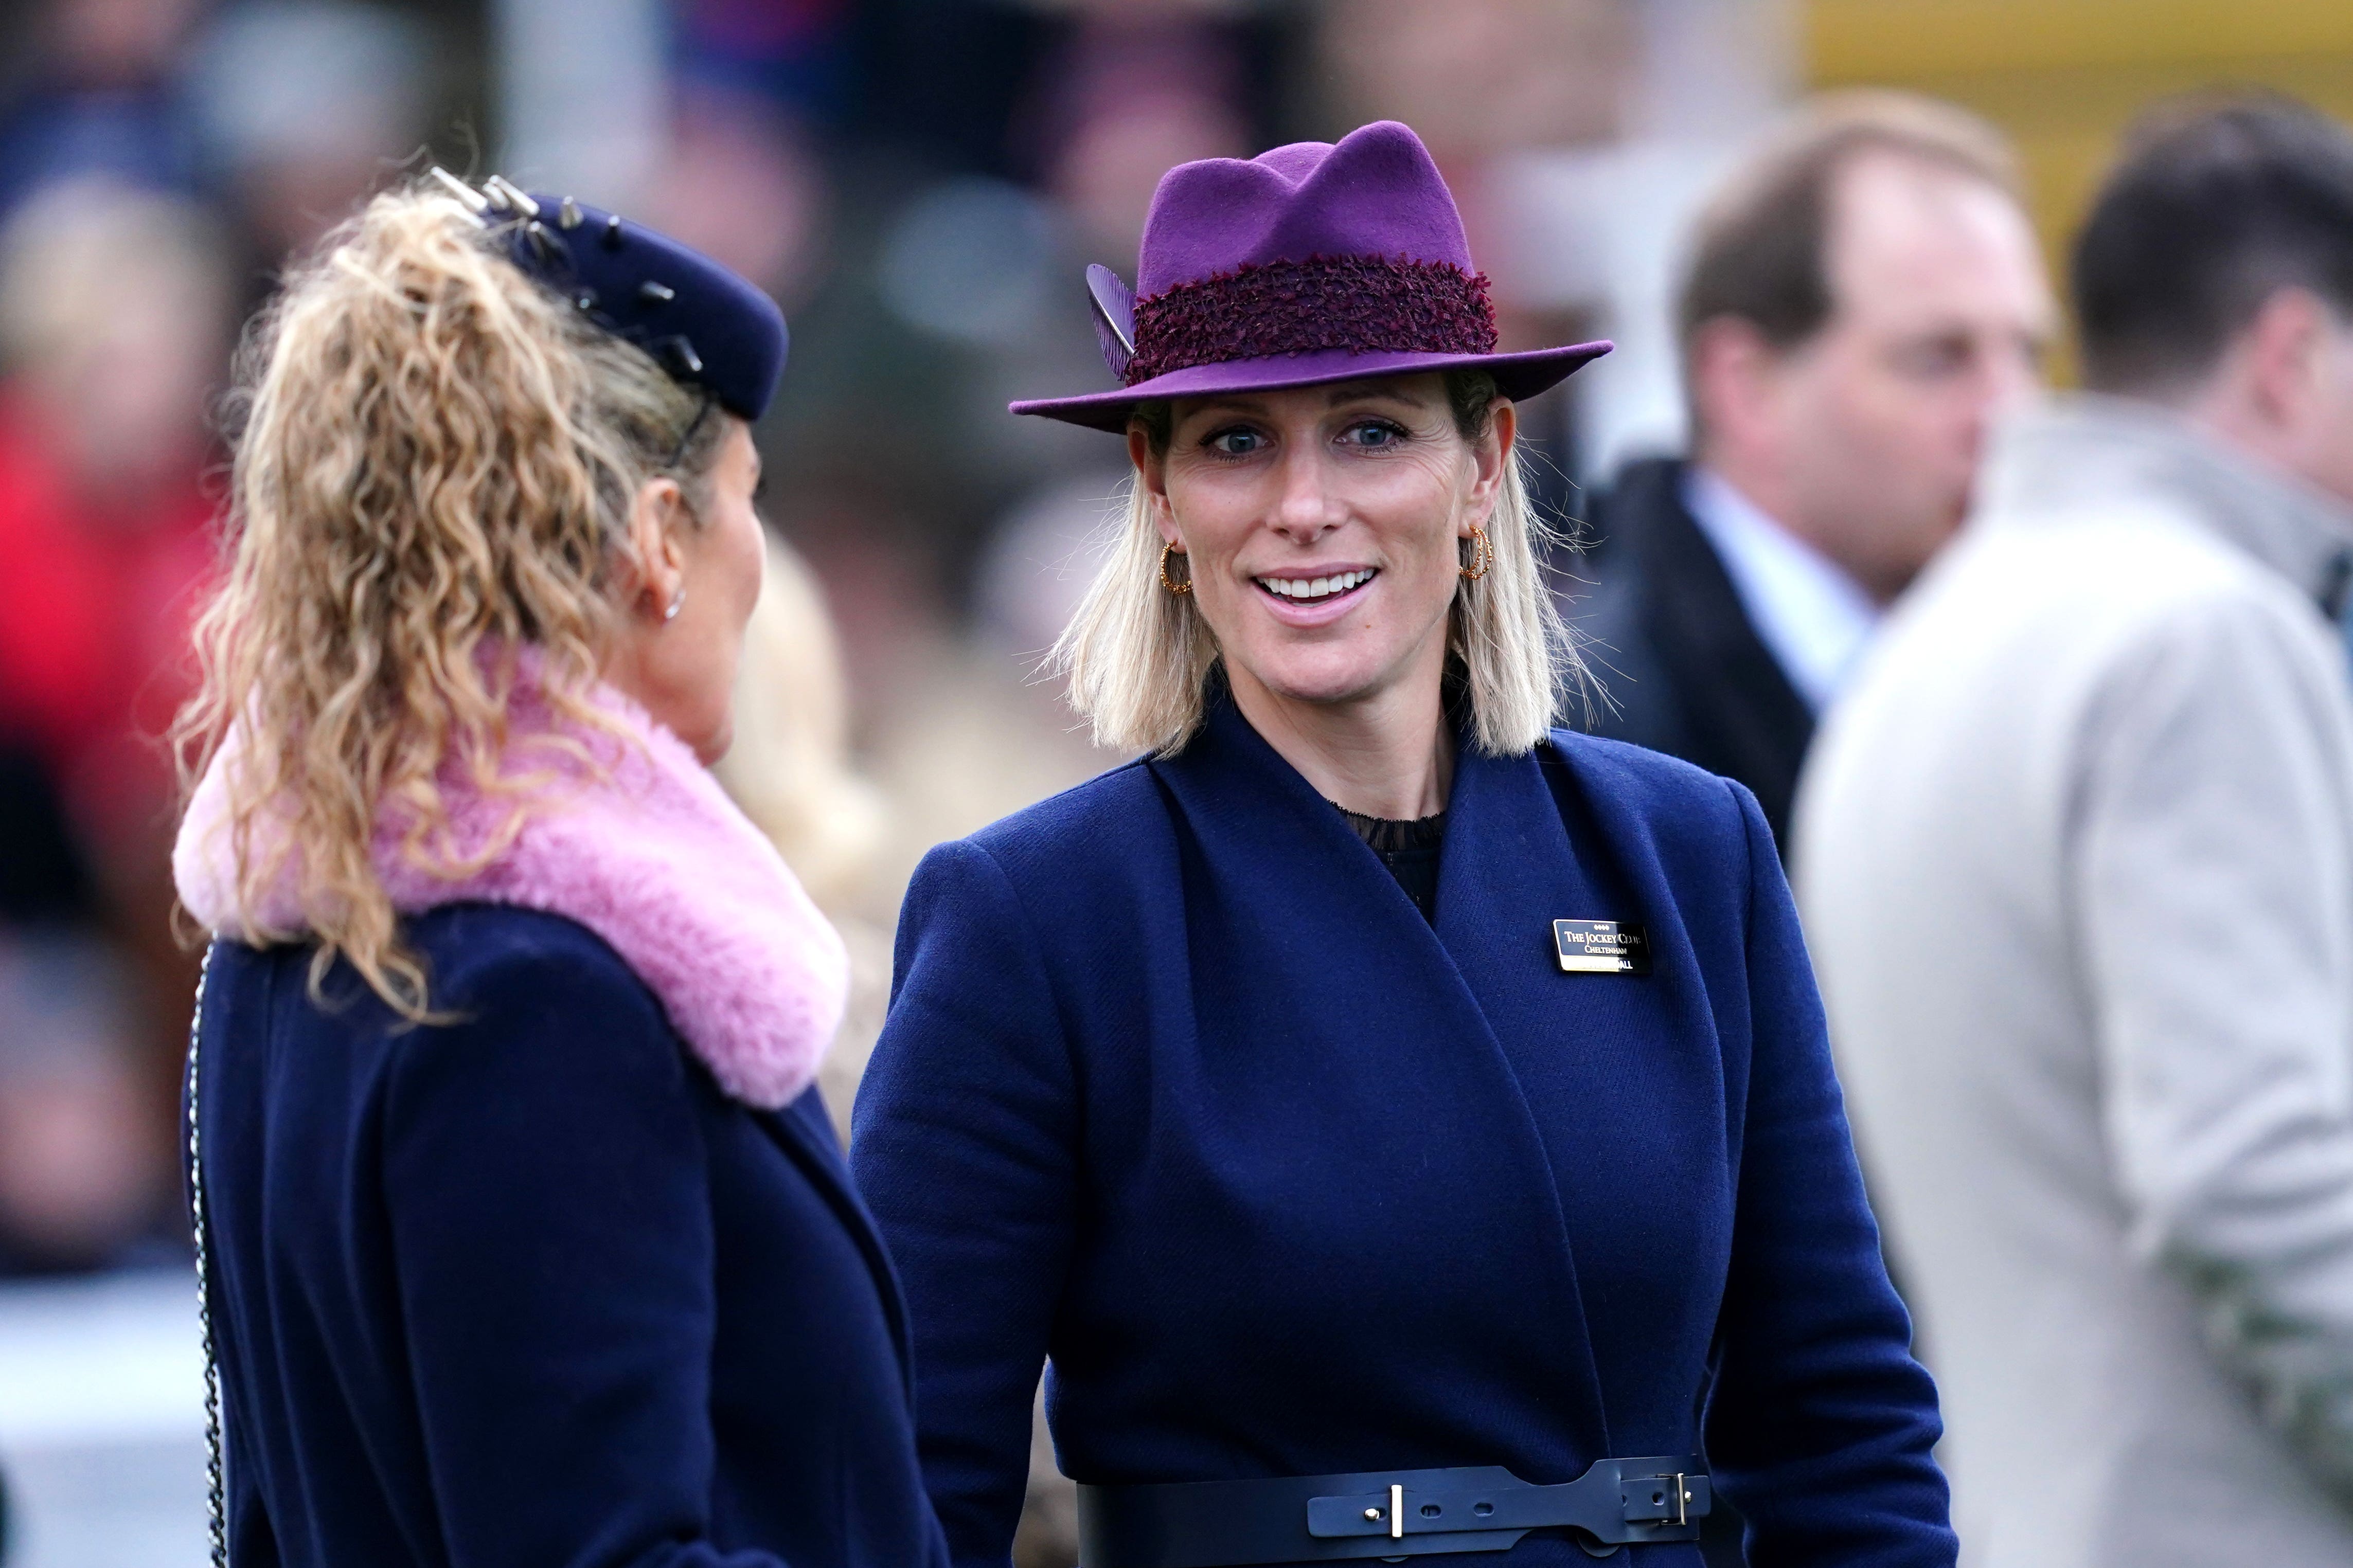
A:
(655, 859)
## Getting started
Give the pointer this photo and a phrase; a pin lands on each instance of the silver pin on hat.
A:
(568, 215)
(657, 292)
(476, 203)
(513, 194)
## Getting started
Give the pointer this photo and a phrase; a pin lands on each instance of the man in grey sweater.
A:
(2076, 861)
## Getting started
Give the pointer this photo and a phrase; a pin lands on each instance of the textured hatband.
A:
(1363, 303)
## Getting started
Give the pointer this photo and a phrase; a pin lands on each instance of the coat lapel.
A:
(1333, 1023)
(1745, 719)
(805, 1133)
(1622, 1074)
(1504, 864)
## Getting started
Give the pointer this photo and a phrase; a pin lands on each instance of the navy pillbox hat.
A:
(701, 323)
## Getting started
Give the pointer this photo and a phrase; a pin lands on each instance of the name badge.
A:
(1602, 947)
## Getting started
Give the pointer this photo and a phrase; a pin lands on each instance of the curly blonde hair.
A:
(435, 463)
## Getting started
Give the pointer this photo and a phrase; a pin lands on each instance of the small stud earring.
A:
(677, 603)
(1169, 583)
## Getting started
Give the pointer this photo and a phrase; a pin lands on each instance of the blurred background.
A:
(921, 183)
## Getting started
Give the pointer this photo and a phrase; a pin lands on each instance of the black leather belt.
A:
(1384, 1513)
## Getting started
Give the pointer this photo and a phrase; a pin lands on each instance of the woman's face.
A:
(1322, 527)
(682, 669)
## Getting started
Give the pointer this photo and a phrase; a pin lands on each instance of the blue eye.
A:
(1237, 442)
(1375, 434)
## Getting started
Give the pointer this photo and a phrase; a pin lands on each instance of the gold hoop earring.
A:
(1483, 556)
(1180, 589)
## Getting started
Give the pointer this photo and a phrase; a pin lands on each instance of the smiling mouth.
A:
(1316, 590)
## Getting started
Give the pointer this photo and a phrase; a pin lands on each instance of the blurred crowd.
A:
(1822, 324)
(919, 181)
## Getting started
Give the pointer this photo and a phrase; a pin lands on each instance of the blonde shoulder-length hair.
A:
(1138, 658)
(436, 459)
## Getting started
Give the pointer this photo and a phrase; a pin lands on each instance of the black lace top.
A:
(1409, 849)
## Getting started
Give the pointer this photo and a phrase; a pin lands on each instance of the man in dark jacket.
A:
(1863, 298)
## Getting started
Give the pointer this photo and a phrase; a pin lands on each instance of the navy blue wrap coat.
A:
(1180, 1090)
(528, 1288)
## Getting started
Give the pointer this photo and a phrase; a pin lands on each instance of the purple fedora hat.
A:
(1315, 262)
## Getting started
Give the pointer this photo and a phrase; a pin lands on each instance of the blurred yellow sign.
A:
(2065, 77)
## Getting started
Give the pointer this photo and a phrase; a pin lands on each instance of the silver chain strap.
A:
(215, 1491)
